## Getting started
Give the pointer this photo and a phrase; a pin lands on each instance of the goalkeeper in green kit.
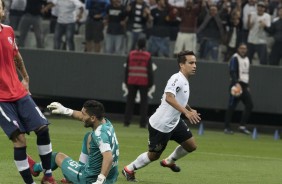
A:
(98, 162)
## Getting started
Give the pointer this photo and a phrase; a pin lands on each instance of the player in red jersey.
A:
(18, 112)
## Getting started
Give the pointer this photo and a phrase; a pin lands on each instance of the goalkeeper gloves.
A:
(57, 108)
(101, 179)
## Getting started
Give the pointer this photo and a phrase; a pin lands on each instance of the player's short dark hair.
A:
(141, 44)
(94, 108)
(181, 56)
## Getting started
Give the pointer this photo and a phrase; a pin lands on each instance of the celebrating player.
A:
(165, 124)
(101, 157)
(18, 112)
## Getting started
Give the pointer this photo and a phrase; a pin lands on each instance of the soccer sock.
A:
(54, 166)
(45, 150)
(178, 153)
(38, 166)
(22, 164)
(141, 161)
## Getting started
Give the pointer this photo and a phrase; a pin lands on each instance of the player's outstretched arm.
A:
(57, 108)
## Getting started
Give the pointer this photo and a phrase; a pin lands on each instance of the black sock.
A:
(22, 164)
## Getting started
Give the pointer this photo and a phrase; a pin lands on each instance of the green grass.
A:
(219, 159)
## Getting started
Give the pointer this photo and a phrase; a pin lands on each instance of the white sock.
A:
(141, 161)
(178, 153)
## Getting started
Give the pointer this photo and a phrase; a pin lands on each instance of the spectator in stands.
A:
(116, 20)
(224, 12)
(17, 8)
(138, 76)
(274, 6)
(233, 37)
(237, 8)
(66, 21)
(32, 17)
(94, 24)
(249, 8)
(239, 68)
(177, 3)
(159, 38)
(54, 15)
(276, 31)
(174, 20)
(211, 33)
(188, 16)
(138, 16)
(257, 39)
(151, 3)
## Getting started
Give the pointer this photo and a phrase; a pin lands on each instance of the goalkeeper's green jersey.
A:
(102, 139)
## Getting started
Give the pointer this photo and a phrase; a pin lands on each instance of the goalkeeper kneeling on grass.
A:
(98, 162)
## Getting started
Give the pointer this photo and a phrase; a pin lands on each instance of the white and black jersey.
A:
(239, 69)
(167, 117)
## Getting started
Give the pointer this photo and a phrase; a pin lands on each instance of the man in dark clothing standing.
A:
(138, 76)
(239, 72)
(276, 31)
(32, 17)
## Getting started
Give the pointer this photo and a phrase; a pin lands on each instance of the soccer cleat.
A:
(228, 131)
(31, 163)
(65, 181)
(129, 176)
(173, 166)
(244, 130)
(48, 180)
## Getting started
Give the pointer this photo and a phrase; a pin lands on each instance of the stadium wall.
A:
(97, 76)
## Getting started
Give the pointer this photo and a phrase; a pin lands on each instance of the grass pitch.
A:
(219, 159)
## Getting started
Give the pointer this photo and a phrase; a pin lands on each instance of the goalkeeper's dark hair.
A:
(94, 108)
(181, 56)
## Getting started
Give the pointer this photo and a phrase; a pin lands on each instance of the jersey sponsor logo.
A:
(10, 40)
(177, 89)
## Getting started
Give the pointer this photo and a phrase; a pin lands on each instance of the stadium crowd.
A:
(211, 28)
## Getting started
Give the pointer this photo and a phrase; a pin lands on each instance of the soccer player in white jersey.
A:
(165, 124)
(98, 163)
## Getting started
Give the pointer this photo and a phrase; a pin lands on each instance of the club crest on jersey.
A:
(10, 40)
